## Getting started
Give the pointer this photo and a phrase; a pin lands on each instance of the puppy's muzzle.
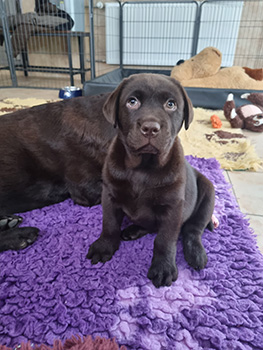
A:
(150, 129)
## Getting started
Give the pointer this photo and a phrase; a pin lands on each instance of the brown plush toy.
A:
(248, 116)
(205, 64)
(204, 70)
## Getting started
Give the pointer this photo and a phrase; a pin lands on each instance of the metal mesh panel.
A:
(219, 27)
(49, 43)
(5, 76)
(157, 34)
(151, 34)
(106, 39)
(249, 48)
(236, 28)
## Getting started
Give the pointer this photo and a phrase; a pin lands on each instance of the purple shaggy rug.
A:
(51, 291)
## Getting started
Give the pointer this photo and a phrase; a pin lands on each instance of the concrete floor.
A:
(247, 186)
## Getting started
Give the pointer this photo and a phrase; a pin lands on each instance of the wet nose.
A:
(150, 129)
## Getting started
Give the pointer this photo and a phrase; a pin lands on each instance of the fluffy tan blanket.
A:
(10, 105)
(229, 146)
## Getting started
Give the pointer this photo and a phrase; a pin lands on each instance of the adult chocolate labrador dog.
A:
(146, 177)
(47, 154)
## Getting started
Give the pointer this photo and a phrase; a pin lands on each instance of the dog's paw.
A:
(162, 272)
(88, 195)
(90, 200)
(9, 221)
(102, 250)
(133, 232)
(18, 238)
(94, 198)
(94, 193)
(25, 237)
(195, 254)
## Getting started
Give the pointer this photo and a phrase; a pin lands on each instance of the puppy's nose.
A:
(150, 129)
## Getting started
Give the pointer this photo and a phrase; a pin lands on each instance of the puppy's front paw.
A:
(133, 232)
(162, 272)
(195, 254)
(102, 250)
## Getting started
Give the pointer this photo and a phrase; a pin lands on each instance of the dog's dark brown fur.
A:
(146, 177)
(47, 154)
(55, 151)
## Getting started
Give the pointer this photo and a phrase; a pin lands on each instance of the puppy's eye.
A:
(133, 103)
(171, 105)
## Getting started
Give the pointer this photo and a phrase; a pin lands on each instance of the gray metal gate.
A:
(46, 46)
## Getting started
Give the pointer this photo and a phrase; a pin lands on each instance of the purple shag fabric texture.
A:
(51, 291)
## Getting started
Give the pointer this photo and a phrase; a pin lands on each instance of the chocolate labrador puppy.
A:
(47, 154)
(146, 177)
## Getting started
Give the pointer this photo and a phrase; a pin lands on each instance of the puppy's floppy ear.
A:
(188, 110)
(188, 107)
(111, 106)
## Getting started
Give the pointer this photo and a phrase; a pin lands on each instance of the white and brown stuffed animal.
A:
(248, 116)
